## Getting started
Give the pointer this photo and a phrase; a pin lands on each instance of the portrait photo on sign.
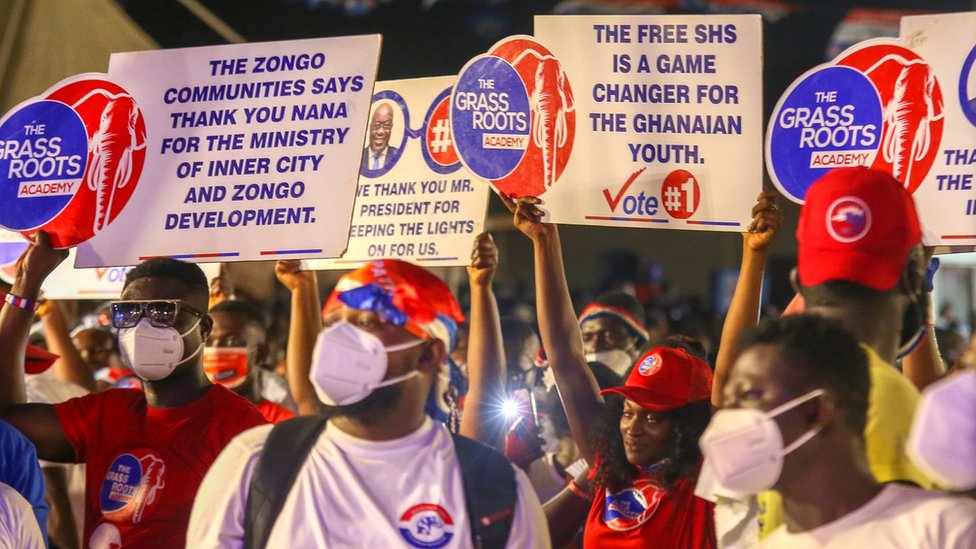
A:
(385, 138)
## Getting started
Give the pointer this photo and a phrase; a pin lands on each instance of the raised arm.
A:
(486, 355)
(559, 328)
(221, 288)
(566, 511)
(69, 366)
(743, 312)
(923, 365)
(306, 322)
(38, 422)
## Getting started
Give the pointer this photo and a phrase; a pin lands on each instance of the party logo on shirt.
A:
(426, 525)
(628, 509)
(130, 486)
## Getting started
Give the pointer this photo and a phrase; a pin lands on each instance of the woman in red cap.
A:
(645, 461)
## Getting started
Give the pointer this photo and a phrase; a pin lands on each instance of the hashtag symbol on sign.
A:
(442, 139)
(672, 199)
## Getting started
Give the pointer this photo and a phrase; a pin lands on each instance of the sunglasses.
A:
(161, 313)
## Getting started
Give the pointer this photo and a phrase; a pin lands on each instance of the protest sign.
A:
(877, 104)
(252, 151)
(68, 157)
(415, 201)
(946, 198)
(649, 121)
(67, 282)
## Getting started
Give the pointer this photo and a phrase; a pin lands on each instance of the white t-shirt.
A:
(18, 525)
(898, 517)
(355, 493)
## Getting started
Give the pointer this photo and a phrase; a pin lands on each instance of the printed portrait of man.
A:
(378, 153)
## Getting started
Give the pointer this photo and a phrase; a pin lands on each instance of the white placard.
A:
(253, 151)
(415, 201)
(946, 199)
(668, 116)
(67, 282)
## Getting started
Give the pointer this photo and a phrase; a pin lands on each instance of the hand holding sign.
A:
(289, 272)
(528, 217)
(484, 260)
(766, 220)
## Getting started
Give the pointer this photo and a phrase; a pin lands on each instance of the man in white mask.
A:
(145, 452)
(379, 472)
(860, 264)
(795, 408)
(613, 331)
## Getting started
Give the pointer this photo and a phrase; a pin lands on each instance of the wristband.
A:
(21, 302)
(577, 491)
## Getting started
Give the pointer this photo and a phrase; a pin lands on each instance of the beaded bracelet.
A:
(21, 302)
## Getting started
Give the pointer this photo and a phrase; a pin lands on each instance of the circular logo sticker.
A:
(829, 118)
(43, 153)
(650, 365)
(848, 219)
(538, 108)
(680, 194)
(427, 525)
(490, 117)
(71, 159)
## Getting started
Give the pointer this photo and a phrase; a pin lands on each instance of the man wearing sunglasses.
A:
(146, 452)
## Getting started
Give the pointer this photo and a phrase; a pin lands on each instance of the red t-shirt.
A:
(645, 515)
(274, 413)
(144, 465)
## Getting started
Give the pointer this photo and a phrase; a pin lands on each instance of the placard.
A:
(70, 159)
(67, 282)
(946, 198)
(252, 151)
(877, 104)
(415, 201)
(638, 121)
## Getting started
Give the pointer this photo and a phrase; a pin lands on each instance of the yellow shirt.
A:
(891, 407)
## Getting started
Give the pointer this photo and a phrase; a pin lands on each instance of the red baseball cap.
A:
(666, 378)
(857, 224)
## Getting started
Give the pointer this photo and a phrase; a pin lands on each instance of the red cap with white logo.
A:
(857, 224)
(666, 378)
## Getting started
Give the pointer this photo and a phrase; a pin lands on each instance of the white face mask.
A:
(617, 360)
(745, 447)
(348, 364)
(943, 437)
(153, 353)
